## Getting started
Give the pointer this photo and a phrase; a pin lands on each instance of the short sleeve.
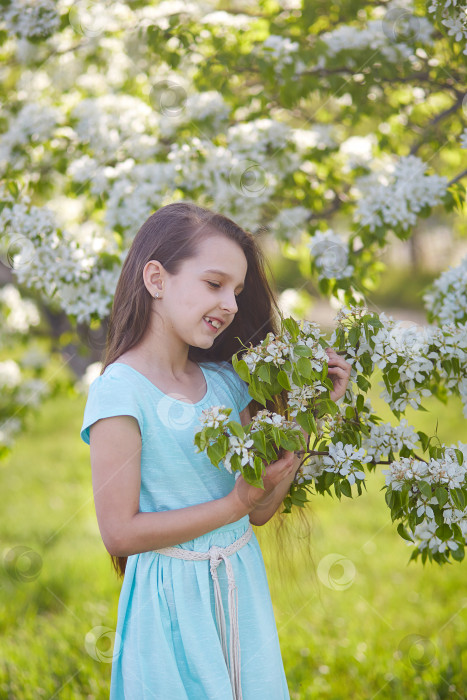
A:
(238, 388)
(110, 396)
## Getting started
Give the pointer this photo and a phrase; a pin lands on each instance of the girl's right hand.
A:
(251, 496)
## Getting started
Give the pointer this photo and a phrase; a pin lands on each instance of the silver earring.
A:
(156, 295)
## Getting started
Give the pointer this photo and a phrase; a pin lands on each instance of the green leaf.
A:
(306, 420)
(305, 367)
(354, 335)
(242, 370)
(458, 554)
(236, 428)
(425, 488)
(346, 488)
(215, 454)
(393, 375)
(303, 350)
(403, 532)
(259, 440)
(292, 326)
(264, 373)
(288, 444)
(424, 440)
(458, 497)
(441, 496)
(301, 495)
(360, 403)
(444, 532)
(283, 380)
(363, 383)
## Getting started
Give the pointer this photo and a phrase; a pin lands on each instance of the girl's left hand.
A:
(339, 373)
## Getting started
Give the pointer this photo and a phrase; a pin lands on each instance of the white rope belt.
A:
(216, 555)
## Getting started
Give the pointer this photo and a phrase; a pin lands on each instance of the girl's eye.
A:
(217, 286)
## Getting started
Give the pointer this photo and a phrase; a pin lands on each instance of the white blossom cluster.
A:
(10, 374)
(18, 314)
(416, 352)
(331, 255)
(200, 106)
(454, 18)
(316, 135)
(31, 19)
(395, 198)
(447, 299)
(345, 460)
(278, 349)
(328, 426)
(215, 416)
(225, 20)
(408, 470)
(134, 191)
(291, 223)
(60, 264)
(280, 50)
(21, 392)
(300, 398)
(378, 35)
(269, 417)
(446, 472)
(240, 446)
(385, 438)
(116, 126)
(34, 123)
(243, 172)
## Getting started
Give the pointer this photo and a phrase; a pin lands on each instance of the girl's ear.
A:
(153, 277)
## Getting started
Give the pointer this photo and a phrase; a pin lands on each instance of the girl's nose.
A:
(230, 304)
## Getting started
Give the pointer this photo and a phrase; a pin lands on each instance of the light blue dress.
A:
(167, 644)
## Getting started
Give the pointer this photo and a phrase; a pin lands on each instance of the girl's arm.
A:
(116, 478)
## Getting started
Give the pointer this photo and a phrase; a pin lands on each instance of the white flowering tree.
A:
(426, 494)
(334, 130)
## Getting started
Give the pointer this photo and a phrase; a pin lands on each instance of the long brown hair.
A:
(172, 235)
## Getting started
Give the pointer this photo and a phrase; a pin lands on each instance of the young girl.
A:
(195, 618)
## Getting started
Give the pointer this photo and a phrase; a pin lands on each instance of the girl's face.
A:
(205, 287)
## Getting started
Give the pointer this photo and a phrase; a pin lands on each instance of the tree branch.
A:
(439, 117)
(457, 178)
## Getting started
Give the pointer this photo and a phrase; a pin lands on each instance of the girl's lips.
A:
(211, 328)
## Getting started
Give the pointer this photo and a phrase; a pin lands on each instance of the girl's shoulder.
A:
(112, 393)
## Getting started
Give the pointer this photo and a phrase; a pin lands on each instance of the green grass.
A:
(371, 626)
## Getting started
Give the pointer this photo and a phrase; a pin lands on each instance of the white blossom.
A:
(395, 198)
(20, 314)
(291, 223)
(31, 19)
(214, 417)
(373, 37)
(10, 374)
(281, 50)
(385, 438)
(447, 298)
(239, 446)
(345, 459)
(331, 255)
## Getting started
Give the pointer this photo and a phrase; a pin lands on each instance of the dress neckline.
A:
(186, 403)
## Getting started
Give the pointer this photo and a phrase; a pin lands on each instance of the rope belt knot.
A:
(216, 555)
